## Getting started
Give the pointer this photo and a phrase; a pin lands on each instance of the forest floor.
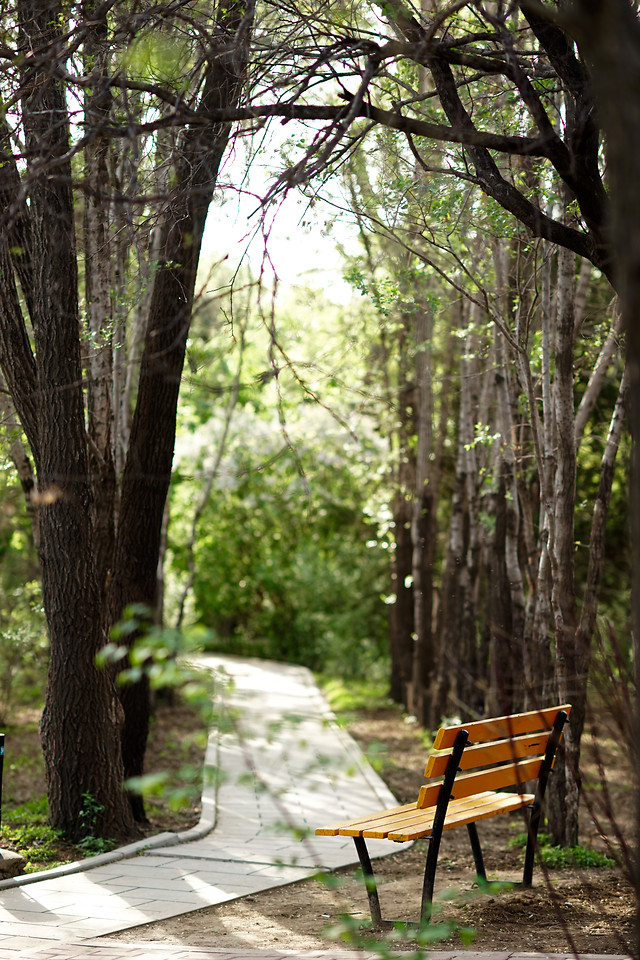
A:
(582, 907)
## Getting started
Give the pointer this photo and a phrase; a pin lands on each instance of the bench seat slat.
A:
(410, 822)
(417, 818)
(484, 754)
(335, 829)
(480, 730)
(458, 815)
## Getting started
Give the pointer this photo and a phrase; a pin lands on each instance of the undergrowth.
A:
(560, 857)
(26, 829)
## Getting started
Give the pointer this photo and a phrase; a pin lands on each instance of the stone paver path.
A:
(285, 768)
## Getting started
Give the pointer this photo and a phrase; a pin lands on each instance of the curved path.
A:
(284, 768)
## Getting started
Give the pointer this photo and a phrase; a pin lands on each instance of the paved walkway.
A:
(285, 769)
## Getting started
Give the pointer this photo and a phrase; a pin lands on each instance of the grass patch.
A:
(26, 830)
(346, 698)
(559, 857)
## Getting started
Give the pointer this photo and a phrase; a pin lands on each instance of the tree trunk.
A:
(80, 747)
(452, 661)
(98, 274)
(564, 798)
(511, 643)
(422, 528)
(538, 660)
(147, 470)
(608, 35)
(401, 610)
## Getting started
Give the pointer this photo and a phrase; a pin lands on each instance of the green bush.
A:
(287, 567)
(561, 857)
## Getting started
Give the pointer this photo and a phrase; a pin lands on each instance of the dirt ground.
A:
(574, 908)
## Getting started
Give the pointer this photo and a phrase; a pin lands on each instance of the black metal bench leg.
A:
(369, 880)
(438, 825)
(478, 859)
(535, 811)
(430, 876)
(532, 839)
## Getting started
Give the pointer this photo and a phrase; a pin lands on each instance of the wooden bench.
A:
(483, 769)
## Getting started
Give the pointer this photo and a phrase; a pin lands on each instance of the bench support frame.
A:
(535, 814)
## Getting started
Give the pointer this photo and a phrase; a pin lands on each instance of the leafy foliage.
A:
(285, 572)
(26, 829)
(23, 637)
(557, 857)
(287, 560)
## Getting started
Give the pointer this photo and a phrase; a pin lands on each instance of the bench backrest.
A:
(501, 752)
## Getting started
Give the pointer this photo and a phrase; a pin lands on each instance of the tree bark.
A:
(608, 36)
(147, 470)
(80, 747)
(98, 277)
(564, 798)
(421, 527)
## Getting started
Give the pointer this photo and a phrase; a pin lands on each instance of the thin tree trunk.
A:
(586, 625)
(538, 662)
(98, 258)
(564, 798)
(421, 525)
(401, 610)
(510, 645)
(451, 661)
(598, 377)
(22, 462)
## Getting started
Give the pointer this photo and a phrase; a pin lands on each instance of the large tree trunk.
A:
(147, 471)
(80, 556)
(80, 746)
(608, 34)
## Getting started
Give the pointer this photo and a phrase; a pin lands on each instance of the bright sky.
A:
(303, 240)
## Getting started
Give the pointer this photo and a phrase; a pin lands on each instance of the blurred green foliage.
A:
(23, 637)
(288, 561)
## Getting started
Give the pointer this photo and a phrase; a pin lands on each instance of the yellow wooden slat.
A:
(499, 803)
(498, 727)
(417, 819)
(484, 754)
(358, 823)
(508, 775)
(429, 794)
